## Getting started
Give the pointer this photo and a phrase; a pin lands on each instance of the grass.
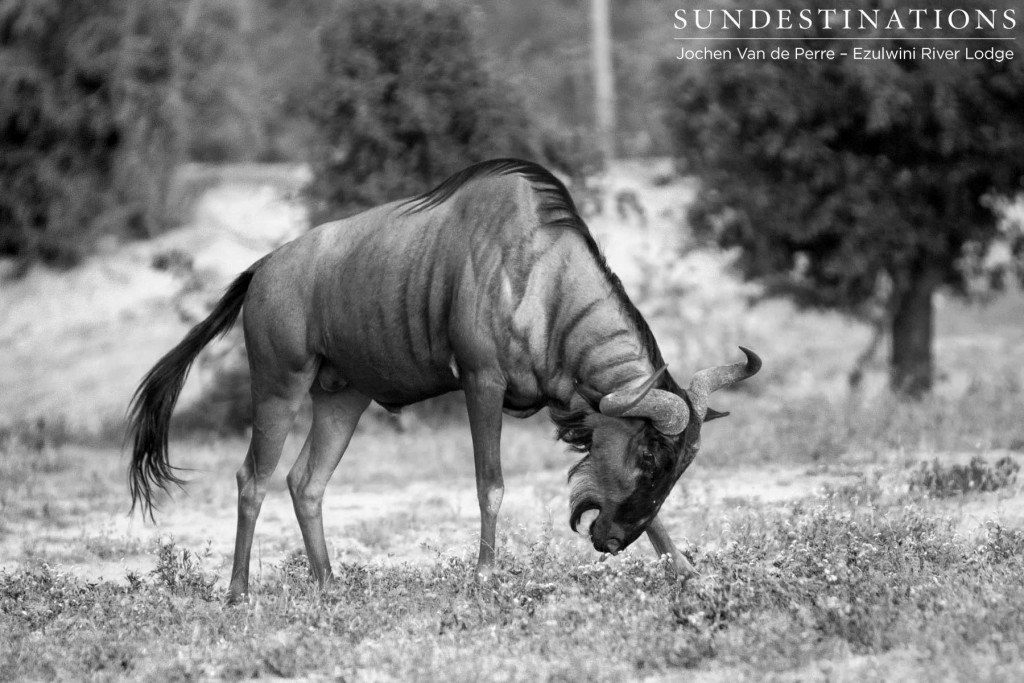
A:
(911, 566)
(782, 588)
(821, 428)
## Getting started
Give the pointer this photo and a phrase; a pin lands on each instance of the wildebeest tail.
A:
(149, 415)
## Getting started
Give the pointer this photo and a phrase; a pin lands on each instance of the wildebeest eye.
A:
(647, 460)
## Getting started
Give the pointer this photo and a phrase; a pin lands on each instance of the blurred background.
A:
(859, 224)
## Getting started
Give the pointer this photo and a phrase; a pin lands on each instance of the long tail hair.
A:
(149, 414)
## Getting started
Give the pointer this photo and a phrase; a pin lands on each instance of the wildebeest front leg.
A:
(484, 397)
(663, 545)
(335, 415)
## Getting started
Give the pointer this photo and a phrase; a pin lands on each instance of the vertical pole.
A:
(604, 83)
(192, 15)
(245, 11)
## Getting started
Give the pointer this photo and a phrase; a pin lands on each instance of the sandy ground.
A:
(74, 344)
(417, 522)
(380, 524)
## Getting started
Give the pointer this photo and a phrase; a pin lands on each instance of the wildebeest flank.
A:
(491, 283)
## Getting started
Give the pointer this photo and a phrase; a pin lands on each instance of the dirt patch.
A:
(74, 344)
(376, 524)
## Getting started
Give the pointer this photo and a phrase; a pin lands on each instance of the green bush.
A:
(86, 145)
(407, 98)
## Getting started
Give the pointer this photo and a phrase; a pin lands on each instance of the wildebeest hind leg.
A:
(484, 398)
(335, 415)
(274, 407)
(663, 545)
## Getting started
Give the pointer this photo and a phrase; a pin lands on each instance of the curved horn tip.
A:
(673, 427)
(753, 360)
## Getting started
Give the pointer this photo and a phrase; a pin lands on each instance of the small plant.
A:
(35, 436)
(944, 481)
(180, 570)
(107, 547)
(1001, 544)
(30, 450)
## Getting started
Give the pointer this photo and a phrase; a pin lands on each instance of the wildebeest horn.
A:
(710, 380)
(667, 412)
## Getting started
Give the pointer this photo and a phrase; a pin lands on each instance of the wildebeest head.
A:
(638, 443)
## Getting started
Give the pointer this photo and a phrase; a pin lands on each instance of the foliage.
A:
(34, 436)
(259, 68)
(781, 589)
(224, 108)
(820, 428)
(860, 169)
(953, 480)
(180, 571)
(849, 181)
(866, 582)
(86, 146)
(408, 97)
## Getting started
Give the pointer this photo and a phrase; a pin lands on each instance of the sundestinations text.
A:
(915, 19)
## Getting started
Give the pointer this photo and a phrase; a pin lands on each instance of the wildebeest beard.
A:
(650, 491)
(638, 507)
(572, 428)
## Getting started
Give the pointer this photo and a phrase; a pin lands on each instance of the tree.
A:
(848, 182)
(219, 85)
(85, 145)
(407, 97)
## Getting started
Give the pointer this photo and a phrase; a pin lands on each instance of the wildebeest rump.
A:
(490, 283)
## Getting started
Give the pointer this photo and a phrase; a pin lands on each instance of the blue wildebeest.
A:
(490, 283)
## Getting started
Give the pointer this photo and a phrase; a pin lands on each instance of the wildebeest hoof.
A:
(484, 574)
(236, 599)
(683, 572)
(684, 577)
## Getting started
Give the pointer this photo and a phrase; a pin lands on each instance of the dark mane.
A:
(558, 210)
(572, 428)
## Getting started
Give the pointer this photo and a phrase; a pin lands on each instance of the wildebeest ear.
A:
(713, 415)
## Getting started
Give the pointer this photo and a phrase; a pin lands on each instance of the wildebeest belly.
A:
(386, 374)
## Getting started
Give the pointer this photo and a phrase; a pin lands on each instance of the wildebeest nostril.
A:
(612, 545)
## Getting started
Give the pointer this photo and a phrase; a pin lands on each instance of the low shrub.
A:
(181, 571)
(945, 480)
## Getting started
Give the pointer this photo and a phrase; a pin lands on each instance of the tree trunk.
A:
(604, 78)
(913, 331)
